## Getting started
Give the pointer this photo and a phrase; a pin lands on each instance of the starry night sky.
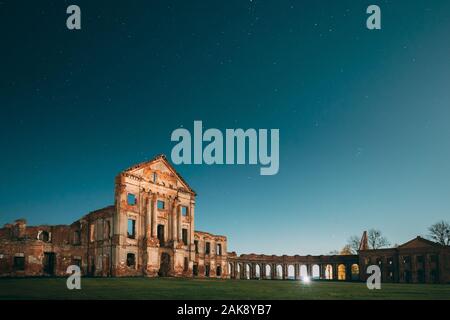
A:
(363, 115)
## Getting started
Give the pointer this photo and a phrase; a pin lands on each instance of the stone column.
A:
(309, 270)
(148, 219)
(179, 224)
(413, 268)
(297, 271)
(174, 221)
(154, 213)
(335, 271)
(348, 272)
(262, 271)
(285, 267)
(191, 223)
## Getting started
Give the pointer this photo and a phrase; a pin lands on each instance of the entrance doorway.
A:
(164, 267)
(49, 263)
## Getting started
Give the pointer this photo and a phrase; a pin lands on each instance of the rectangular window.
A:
(207, 270)
(186, 264)
(131, 199)
(185, 236)
(160, 232)
(155, 177)
(184, 211)
(219, 249)
(207, 248)
(19, 263)
(196, 246)
(131, 232)
(161, 205)
(131, 260)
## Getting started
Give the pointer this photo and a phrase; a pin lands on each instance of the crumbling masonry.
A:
(149, 231)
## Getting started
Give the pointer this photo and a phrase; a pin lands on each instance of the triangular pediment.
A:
(419, 242)
(164, 170)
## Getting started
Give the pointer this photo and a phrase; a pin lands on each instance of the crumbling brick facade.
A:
(149, 231)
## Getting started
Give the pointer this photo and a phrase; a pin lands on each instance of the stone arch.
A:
(291, 272)
(303, 271)
(355, 271)
(279, 271)
(257, 271)
(315, 271)
(268, 271)
(247, 271)
(230, 270)
(341, 272)
(329, 272)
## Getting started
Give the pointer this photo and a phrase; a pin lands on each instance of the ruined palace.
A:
(149, 231)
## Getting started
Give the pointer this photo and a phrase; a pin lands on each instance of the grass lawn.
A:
(167, 288)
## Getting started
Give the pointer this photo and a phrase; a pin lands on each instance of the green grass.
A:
(144, 288)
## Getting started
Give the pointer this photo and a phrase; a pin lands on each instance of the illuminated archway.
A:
(341, 272)
(303, 271)
(279, 272)
(329, 272)
(247, 271)
(268, 272)
(291, 272)
(257, 271)
(315, 271)
(355, 272)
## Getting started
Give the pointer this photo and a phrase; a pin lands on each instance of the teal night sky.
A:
(363, 115)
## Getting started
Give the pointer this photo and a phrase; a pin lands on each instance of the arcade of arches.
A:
(339, 267)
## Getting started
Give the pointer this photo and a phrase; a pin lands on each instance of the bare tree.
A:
(440, 232)
(346, 250)
(376, 239)
(353, 243)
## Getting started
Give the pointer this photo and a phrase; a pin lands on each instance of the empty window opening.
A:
(77, 237)
(161, 205)
(207, 270)
(219, 249)
(185, 236)
(207, 248)
(44, 236)
(19, 263)
(131, 199)
(131, 232)
(160, 232)
(218, 271)
(186, 264)
(131, 260)
(184, 211)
